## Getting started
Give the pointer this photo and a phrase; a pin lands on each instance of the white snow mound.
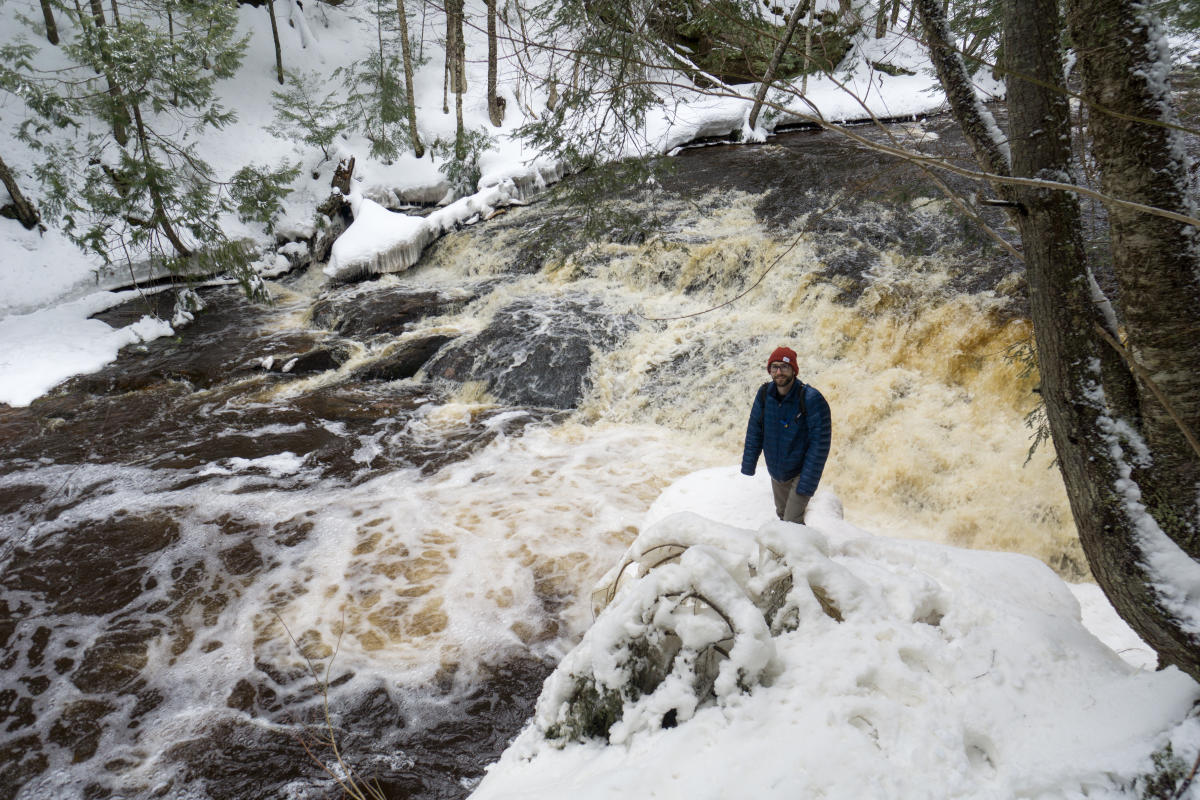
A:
(894, 669)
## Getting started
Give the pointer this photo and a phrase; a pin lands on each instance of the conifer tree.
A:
(143, 191)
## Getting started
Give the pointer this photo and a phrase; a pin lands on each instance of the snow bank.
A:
(44, 348)
(380, 241)
(909, 670)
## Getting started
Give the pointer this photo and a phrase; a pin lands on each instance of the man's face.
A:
(782, 374)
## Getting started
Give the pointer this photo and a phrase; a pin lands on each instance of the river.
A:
(374, 513)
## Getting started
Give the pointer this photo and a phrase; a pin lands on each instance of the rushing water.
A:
(375, 512)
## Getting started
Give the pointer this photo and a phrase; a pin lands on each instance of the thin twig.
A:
(1188, 780)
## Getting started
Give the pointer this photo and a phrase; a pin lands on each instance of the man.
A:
(789, 424)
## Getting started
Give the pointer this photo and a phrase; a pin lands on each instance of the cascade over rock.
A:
(535, 354)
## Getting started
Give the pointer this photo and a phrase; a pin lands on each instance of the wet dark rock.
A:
(226, 336)
(16, 710)
(529, 259)
(157, 303)
(535, 355)
(238, 759)
(293, 531)
(115, 660)
(321, 359)
(242, 559)
(36, 684)
(114, 552)
(365, 309)
(351, 404)
(37, 647)
(253, 699)
(403, 361)
(147, 701)
(8, 624)
(78, 728)
(22, 759)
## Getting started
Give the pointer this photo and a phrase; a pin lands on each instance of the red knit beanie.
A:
(784, 354)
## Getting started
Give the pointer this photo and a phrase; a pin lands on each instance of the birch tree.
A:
(1121, 414)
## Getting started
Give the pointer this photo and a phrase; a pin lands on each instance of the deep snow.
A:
(954, 673)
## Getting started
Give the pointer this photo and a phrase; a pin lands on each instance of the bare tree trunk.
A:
(120, 119)
(456, 56)
(23, 210)
(808, 59)
(275, 38)
(406, 51)
(780, 48)
(51, 26)
(1096, 473)
(1155, 259)
(495, 104)
(1083, 382)
(979, 127)
(451, 57)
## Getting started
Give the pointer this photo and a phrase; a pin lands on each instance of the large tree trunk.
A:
(456, 60)
(977, 123)
(1067, 324)
(495, 104)
(1084, 383)
(793, 22)
(51, 26)
(275, 39)
(23, 210)
(1124, 65)
(406, 51)
(119, 118)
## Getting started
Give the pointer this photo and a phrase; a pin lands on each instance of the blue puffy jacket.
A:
(793, 434)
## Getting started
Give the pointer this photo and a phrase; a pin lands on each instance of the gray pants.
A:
(789, 506)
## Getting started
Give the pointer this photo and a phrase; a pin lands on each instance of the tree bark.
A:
(456, 58)
(24, 210)
(495, 104)
(1155, 259)
(977, 123)
(51, 26)
(1084, 383)
(119, 118)
(275, 38)
(406, 51)
(1079, 372)
(793, 22)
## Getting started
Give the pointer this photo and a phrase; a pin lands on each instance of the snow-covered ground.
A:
(952, 673)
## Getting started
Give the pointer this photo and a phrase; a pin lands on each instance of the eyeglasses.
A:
(780, 368)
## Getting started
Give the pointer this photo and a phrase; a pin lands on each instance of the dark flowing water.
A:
(373, 513)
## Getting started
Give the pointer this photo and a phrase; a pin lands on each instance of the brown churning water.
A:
(186, 533)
